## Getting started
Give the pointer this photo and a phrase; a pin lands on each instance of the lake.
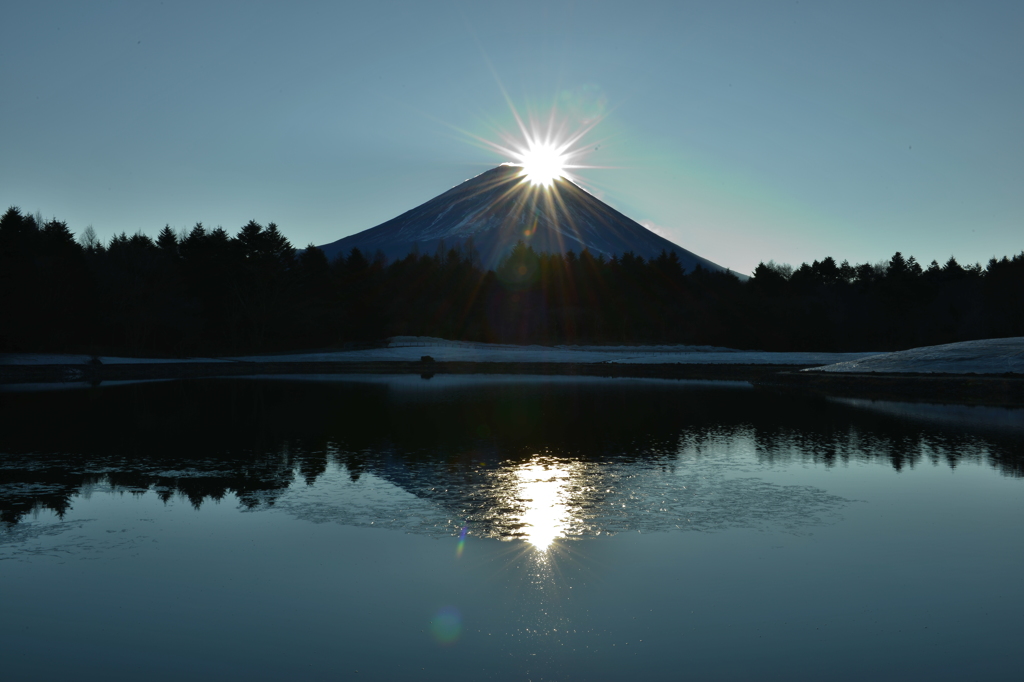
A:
(505, 528)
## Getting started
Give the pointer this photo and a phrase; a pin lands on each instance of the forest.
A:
(206, 292)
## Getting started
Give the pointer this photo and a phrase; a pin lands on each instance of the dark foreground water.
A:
(393, 528)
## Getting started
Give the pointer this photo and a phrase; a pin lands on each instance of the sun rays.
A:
(546, 148)
(541, 195)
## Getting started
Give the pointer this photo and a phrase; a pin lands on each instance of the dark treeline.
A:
(207, 292)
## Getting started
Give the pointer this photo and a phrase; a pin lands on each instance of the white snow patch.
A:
(986, 356)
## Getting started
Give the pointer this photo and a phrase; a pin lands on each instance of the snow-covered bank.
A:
(987, 356)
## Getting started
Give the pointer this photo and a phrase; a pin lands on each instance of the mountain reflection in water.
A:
(509, 458)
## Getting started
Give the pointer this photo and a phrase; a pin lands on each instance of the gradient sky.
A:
(741, 131)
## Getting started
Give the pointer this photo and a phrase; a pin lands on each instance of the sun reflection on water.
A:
(543, 490)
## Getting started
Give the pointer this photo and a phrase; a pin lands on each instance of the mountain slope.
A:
(497, 208)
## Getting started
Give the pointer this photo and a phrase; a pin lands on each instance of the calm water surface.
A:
(391, 528)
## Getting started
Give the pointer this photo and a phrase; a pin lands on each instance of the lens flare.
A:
(462, 542)
(446, 625)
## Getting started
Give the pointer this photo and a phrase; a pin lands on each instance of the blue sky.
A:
(741, 131)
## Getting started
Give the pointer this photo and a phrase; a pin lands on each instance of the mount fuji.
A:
(498, 208)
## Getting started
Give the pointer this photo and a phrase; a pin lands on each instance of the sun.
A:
(543, 163)
(546, 148)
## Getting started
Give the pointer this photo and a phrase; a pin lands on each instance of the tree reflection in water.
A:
(517, 458)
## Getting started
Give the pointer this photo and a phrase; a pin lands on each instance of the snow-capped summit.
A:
(498, 208)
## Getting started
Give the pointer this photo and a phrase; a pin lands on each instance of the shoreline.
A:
(1005, 390)
(23, 374)
(996, 390)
